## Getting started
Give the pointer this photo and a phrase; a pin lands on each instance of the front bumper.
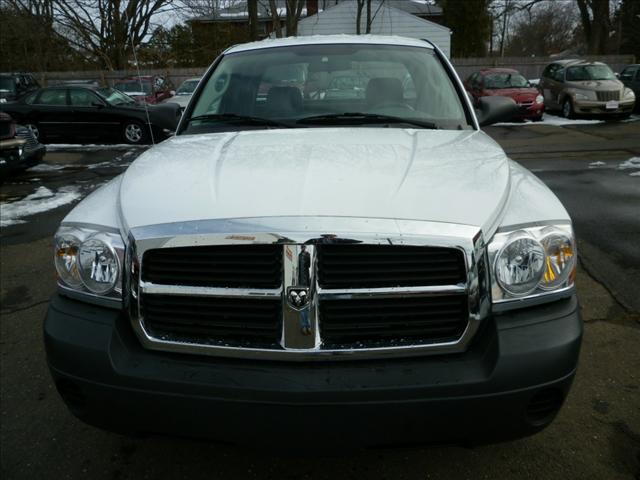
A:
(587, 107)
(510, 383)
(18, 155)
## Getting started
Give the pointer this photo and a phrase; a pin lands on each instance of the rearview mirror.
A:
(495, 109)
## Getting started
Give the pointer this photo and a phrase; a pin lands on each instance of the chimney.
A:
(312, 7)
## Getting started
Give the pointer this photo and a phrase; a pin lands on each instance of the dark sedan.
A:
(82, 113)
(630, 76)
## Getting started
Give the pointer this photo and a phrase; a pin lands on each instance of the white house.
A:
(386, 20)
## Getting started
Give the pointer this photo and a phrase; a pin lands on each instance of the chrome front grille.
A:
(25, 133)
(606, 96)
(306, 296)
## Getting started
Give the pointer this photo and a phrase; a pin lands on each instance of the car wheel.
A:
(35, 131)
(134, 133)
(567, 108)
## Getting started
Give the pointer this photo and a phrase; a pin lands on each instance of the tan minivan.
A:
(578, 87)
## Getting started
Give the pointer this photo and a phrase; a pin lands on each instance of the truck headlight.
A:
(534, 264)
(89, 263)
(629, 94)
(539, 99)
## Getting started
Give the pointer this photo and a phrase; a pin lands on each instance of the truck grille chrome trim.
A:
(238, 322)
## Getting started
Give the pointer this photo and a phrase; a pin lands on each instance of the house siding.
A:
(388, 21)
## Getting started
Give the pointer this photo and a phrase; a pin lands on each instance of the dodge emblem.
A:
(298, 297)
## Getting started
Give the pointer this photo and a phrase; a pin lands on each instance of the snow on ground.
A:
(634, 174)
(41, 200)
(596, 164)
(548, 119)
(633, 162)
(46, 167)
(52, 147)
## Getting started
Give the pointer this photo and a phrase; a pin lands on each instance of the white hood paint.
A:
(435, 175)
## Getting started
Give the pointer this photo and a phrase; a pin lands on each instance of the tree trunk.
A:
(368, 16)
(360, 5)
(252, 7)
(275, 18)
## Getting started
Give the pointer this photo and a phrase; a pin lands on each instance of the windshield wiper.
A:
(240, 119)
(364, 118)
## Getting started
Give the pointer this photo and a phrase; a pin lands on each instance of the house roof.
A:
(330, 39)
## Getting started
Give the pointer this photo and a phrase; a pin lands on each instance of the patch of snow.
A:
(548, 119)
(534, 81)
(596, 164)
(633, 162)
(90, 147)
(40, 201)
(45, 167)
(634, 174)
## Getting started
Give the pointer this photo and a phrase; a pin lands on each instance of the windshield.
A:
(505, 80)
(115, 97)
(134, 86)
(187, 87)
(7, 85)
(589, 72)
(294, 84)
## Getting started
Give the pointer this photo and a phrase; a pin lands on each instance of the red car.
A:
(150, 89)
(506, 82)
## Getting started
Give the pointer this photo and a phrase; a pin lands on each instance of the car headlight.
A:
(535, 263)
(539, 99)
(89, 263)
(629, 94)
(584, 95)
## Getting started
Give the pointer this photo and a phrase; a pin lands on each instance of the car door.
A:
(51, 113)
(91, 115)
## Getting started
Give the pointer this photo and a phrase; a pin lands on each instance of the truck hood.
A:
(434, 175)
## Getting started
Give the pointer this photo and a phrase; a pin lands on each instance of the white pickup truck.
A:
(303, 265)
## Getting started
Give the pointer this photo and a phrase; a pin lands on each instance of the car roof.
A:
(66, 86)
(141, 77)
(330, 39)
(576, 62)
(485, 71)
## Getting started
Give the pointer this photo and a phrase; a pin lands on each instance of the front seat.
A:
(383, 90)
(284, 102)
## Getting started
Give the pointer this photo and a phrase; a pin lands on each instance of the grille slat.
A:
(211, 319)
(231, 266)
(370, 266)
(361, 323)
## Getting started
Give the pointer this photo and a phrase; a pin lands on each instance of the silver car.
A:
(578, 87)
(184, 92)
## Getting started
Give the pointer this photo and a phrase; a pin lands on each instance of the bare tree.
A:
(107, 29)
(252, 10)
(596, 23)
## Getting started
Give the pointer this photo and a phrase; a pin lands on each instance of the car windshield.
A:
(187, 87)
(7, 85)
(589, 72)
(505, 80)
(337, 84)
(134, 86)
(115, 97)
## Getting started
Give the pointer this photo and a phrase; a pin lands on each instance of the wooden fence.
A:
(530, 67)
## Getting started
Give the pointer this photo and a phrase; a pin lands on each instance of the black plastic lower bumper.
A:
(510, 383)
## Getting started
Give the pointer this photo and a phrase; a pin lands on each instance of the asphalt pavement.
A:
(596, 435)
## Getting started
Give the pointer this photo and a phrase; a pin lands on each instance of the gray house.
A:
(387, 19)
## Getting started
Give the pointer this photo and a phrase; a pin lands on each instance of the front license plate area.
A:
(612, 105)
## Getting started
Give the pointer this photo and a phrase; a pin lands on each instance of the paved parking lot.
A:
(590, 167)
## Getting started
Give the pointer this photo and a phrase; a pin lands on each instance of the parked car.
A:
(184, 93)
(506, 82)
(83, 113)
(19, 149)
(300, 273)
(150, 89)
(16, 85)
(85, 82)
(630, 76)
(578, 87)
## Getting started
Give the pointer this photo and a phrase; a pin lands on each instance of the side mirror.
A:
(97, 104)
(495, 109)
